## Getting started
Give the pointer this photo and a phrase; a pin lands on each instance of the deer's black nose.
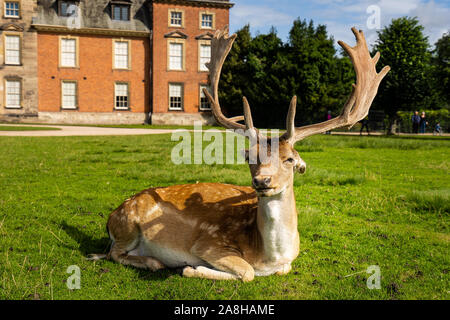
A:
(262, 182)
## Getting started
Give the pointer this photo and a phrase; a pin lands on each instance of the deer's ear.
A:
(245, 154)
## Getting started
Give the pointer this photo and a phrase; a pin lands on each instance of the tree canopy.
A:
(441, 62)
(270, 72)
(405, 48)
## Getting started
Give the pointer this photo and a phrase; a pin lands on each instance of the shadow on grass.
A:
(89, 245)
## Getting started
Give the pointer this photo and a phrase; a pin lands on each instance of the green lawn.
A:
(363, 201)
(25, 128)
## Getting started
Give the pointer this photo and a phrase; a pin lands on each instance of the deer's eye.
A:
(289, 160)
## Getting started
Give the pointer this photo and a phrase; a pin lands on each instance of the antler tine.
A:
(290, 122)
(221, 45)
(363, 92)
(247, 115)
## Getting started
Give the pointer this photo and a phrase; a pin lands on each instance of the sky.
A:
(340, 15)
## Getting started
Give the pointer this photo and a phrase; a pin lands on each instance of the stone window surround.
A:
(12, 17)
(76, 95)
(183, 60)
(201, 13)
(11, 33)
(169, 22)
(21, 92)
(182, 96)
(201, 86)
(114, 53)
(77, 51)
(128, 95)
(200, 44)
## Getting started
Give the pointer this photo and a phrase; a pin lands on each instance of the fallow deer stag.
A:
(227, 232)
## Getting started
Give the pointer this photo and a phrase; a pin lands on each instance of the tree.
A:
(321, 80)
(235, 73)
(269, 73)
(404, 47)
(254, 69)
(441, 62)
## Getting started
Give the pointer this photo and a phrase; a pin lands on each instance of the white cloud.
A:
(341, 15)
(397, 7)
(258, 16)
(435, 19)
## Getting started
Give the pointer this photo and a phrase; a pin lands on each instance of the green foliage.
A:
(322, 81)
(404, 47)
(25, 128)
(363, 201)
(441, 62)
(269, 72)
(433, 117)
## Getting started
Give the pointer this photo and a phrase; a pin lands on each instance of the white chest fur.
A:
(279, 238)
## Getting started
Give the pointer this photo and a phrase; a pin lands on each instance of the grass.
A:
(155, 126)
(25, 128)
(363, 201)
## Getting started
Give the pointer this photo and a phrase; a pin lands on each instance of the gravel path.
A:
(67, 131)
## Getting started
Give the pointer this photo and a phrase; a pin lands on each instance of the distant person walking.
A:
(329, 118)
(423, 123)
(415, 122)
(364, 124)
(437, 129)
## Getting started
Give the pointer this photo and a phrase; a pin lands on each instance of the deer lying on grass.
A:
(227, 232)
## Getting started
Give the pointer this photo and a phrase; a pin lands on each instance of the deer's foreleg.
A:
(228, 264)
(228, 268)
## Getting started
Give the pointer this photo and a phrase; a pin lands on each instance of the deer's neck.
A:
(277, 225)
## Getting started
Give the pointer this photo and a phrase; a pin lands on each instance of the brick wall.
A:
(95, 75)
(190, 77)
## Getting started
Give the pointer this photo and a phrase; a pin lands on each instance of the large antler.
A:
(358, 104)
(220, 47)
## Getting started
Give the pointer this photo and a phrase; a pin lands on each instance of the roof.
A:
(95, 14)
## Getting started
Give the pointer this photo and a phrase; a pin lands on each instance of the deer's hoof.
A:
(188, 272)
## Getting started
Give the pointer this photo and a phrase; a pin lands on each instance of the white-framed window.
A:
(176, 18)
(69, 95)
(205, 56)
(175, 56)
(12, 49)
(121, 96)
(204, 102)
(12, 9)
(121, 55)
(13, 93)
(68, 52)
(207, 21)
(175, 96)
